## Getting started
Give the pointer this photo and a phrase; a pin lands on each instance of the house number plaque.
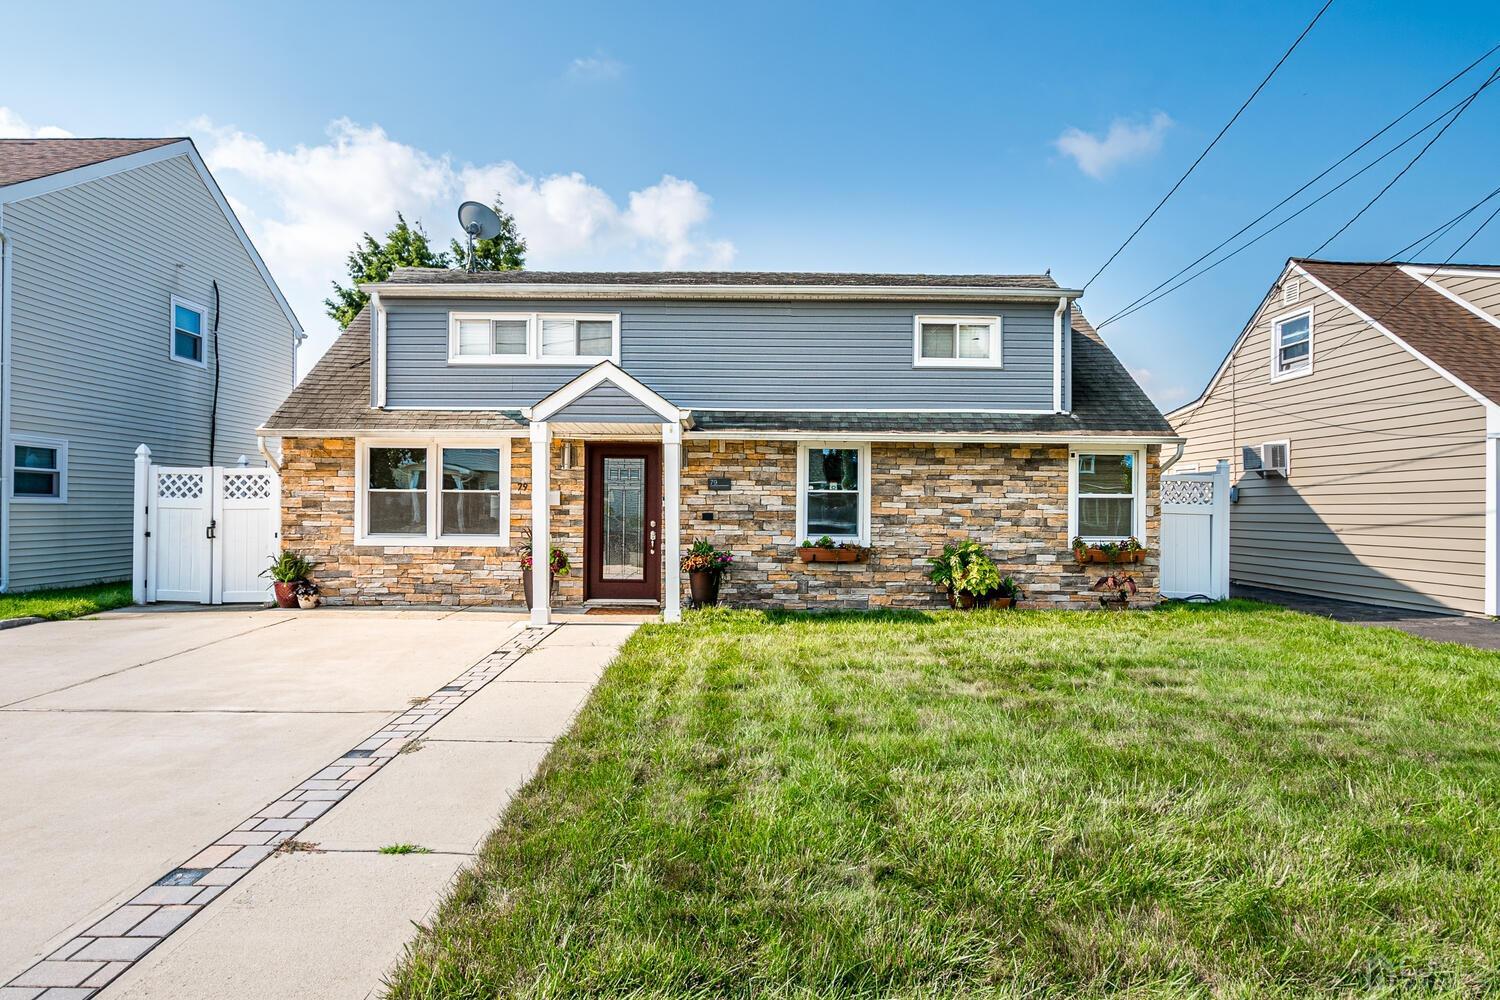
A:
(719, 484)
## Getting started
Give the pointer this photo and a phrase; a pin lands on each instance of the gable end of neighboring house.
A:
(1376, 383)
(120, 259)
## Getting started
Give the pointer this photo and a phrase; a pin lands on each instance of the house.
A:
(133, 309)
(1358, 410)
(623, 415)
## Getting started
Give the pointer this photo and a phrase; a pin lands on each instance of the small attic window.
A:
(1291, 292)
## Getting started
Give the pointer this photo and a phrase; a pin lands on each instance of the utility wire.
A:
(1328, 170)
(1402, 173)
(1129, 310)
(1285, 55)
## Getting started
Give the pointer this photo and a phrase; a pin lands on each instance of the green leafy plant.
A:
(1009, 588)
(702, 557)
(981, 577)
(287, 567)
(965, 568)
(559, 563)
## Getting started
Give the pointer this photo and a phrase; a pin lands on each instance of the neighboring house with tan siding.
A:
(1382, 382)
(127, 287)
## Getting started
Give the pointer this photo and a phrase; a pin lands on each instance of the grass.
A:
(1236, 801)
(67, 602)
(405, 849)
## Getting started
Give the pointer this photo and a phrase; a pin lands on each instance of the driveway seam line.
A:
(86, 963)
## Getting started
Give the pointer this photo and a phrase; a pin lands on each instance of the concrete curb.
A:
(18, 622)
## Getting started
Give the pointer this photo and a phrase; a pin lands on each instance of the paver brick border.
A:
(94, 958)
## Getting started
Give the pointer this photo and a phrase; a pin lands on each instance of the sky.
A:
(984, 137)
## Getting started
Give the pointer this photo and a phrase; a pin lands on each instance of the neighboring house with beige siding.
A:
(1375, 386)
(127, 290)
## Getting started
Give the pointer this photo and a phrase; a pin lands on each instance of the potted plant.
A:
(1129, 551)
(307, 594)
(557, 565)
(704, 566)
(1005, 595)
(826, 549)
(1117, 589)
(969, 577)
(287, 569)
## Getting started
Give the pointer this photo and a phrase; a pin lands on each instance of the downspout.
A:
(6, 457)
(1181, 447)
(1057, 354)
(377, 334)
(272, 462)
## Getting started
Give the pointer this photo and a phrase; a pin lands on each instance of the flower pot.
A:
(526, 584)
(307, 601)
(1001, 602)
(703, 585)
(965, 601)
(286, 593)
(812, 553)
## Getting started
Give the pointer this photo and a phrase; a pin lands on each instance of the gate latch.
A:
(211, 526)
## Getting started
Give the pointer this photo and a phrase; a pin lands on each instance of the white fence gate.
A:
(204, 533)
(1195, 534)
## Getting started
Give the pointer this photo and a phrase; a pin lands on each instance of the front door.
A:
(622, 523)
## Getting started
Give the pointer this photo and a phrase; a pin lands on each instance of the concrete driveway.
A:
(155, 762)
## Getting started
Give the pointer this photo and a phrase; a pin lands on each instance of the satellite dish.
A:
(479, 222)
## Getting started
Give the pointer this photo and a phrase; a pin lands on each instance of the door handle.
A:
(653, 541)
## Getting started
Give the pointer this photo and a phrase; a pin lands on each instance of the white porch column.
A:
(541, 524)
(671, 491)
(139, 525)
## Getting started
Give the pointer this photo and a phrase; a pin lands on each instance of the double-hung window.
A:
(424, 492)
(532, 338)
(833, 492)
(187, 332)
(39, 469)
(957, 342)
(1291, 344)
(1106, 496)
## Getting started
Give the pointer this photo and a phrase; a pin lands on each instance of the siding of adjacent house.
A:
(1482, 292)
(93, 271)
(1385, 500)
(738, 355)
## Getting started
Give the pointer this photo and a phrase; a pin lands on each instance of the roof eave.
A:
(513, 290)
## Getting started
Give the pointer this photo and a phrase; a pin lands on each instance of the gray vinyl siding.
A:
(607, 403)
(92, 276)
(1385, 501)
(737, 355)
(1481, 292)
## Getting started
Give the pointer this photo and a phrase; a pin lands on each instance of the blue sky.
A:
(768, 136)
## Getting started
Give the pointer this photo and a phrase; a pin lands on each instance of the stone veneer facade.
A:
(1012, 499)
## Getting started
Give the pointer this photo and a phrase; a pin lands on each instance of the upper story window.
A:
(187, 332)
(833, 492)
(533, 338)
(39, 469)
(1291, 344)
(1106, 502)
(957, 342)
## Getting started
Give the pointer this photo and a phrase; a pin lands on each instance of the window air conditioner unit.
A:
(1275, 458)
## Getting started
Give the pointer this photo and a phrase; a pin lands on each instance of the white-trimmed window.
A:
(433, 491)
(956, 342)
(1291, 344)
(189, 326)
(491, 338)
(1106, 496)
(38, 469)
(833, 492)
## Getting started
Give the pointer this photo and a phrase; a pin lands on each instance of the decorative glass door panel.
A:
(624, 518)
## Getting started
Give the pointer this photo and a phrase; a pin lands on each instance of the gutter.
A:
(515, 290)
(1057, 354)
(6, 457)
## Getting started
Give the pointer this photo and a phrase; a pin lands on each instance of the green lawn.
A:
(68, 602)
(1200, 802)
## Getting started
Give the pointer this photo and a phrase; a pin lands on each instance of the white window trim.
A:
(60, 445)
(1138, 481)
(997, 337)
(533, 356)
(434, 447)
(1277, 372)
(804, 449)
(172, 331)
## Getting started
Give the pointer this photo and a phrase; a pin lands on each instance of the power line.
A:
(1211, 145)
(1328, 170)
(1129, 310)
(1402, 172)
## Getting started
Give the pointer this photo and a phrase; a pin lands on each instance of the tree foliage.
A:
(408, 245)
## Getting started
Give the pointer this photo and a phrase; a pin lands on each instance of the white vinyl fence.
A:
(204, 533)
(1195, 534)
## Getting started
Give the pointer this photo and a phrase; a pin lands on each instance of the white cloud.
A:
(595, 67)
(1164, 396)
(306, 206)
(13, 126)
(1126, 141)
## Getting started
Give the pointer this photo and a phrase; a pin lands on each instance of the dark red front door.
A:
(622, 523)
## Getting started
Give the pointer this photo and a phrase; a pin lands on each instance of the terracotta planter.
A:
(811, 553)
(1096, 555)
(703, 585)
(286, 594)
(1001, 602)
(965, 601)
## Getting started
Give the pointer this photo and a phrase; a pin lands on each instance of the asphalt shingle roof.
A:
(335, 396)
(28, 159)
(429, 275)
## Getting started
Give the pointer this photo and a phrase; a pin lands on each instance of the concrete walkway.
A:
(1481, 633)
(161, 760)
